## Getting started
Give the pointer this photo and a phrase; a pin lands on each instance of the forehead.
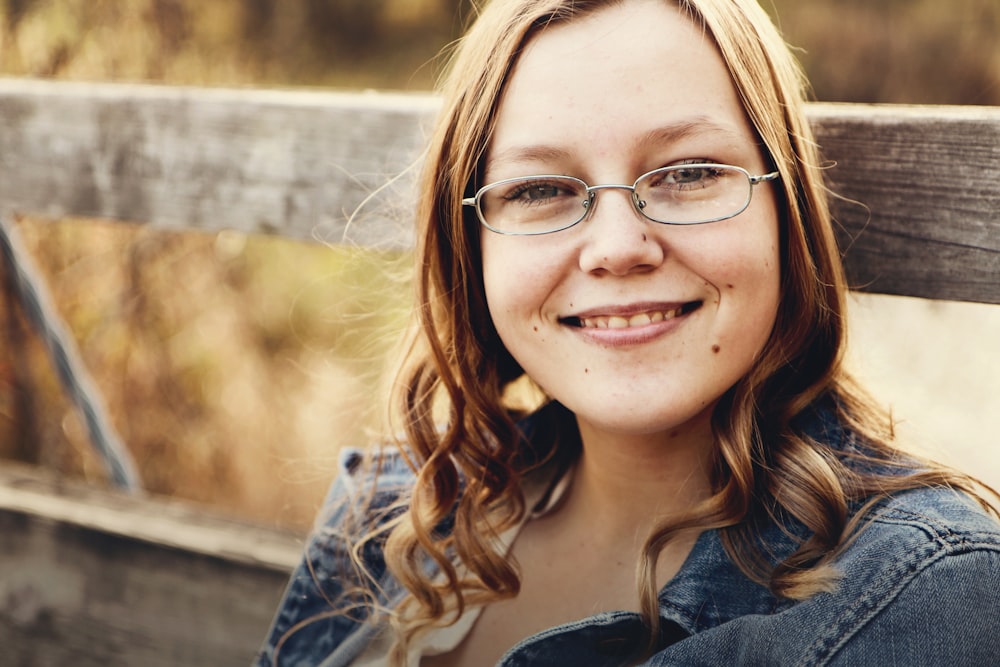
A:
(631, 76)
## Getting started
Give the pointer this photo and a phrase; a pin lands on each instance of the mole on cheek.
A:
(716, 349)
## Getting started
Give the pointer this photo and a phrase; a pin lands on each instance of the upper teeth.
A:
(619, 322)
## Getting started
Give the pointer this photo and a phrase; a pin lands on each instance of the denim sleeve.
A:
(310, 623)
(947, 615)
(302, 628)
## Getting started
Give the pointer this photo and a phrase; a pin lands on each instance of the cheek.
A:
(518, 276)
(756, 293)
(739, 264)
(497, 278)
(755, 253)
(746, 277)
(508, 283)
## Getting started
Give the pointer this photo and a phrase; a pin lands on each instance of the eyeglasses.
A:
(683, 194)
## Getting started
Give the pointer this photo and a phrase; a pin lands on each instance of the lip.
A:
(630, 324)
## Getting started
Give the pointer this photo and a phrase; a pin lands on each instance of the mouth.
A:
(627, 321)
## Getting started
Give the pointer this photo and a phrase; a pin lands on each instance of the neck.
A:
(626, 483)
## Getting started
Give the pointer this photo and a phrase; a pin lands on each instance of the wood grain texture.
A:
(338, 167)
(97, 578)
(299, 164)
(929, 182)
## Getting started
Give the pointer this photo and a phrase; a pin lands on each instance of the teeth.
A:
(619, 322)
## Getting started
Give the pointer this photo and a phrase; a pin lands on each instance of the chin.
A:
(633, 424)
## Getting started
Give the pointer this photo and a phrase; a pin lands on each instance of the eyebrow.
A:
(692, 127)
(666, 134)
(516, 154)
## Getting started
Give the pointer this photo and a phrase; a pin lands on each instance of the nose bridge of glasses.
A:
(591, 201)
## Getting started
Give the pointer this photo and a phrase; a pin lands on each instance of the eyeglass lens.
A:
(682, 194)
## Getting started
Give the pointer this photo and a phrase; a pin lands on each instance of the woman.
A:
(702, 482)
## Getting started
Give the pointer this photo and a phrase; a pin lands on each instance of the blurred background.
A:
(235, 366)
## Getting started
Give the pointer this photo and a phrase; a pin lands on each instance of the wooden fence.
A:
(97, 578)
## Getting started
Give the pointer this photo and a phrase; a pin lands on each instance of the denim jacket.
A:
(920, 585)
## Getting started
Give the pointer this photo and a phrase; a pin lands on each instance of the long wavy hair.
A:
(459, 431)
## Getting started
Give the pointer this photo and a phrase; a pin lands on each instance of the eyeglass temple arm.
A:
(754, 180)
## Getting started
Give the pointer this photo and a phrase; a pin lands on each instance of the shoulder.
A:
(378, 476)
(936, 521)
(320, 612)
(369, 490)
(921, 579)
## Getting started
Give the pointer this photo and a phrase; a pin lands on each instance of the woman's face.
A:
(637, 327)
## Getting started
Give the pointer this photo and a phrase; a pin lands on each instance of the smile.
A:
(635, 320)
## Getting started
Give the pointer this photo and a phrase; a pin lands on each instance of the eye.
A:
(533, 204)
(539, 191)
(685, 176)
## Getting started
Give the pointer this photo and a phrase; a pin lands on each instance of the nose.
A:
(617, 237)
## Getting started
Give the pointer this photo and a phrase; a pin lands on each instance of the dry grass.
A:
(235, 366)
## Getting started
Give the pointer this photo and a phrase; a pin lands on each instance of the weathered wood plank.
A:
(295, 163)
(929, 179)
(301, 163)
(96, 578)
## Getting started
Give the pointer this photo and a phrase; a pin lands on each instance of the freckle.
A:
(730, 285)
(716, 349)
(586, 370)
(644, 237)
(535, 328)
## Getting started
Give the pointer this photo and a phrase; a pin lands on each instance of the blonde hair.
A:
(468, 468)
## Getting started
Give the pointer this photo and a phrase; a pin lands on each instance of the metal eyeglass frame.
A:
(587, 204)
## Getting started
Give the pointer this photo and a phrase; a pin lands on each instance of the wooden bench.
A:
(98, 578)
